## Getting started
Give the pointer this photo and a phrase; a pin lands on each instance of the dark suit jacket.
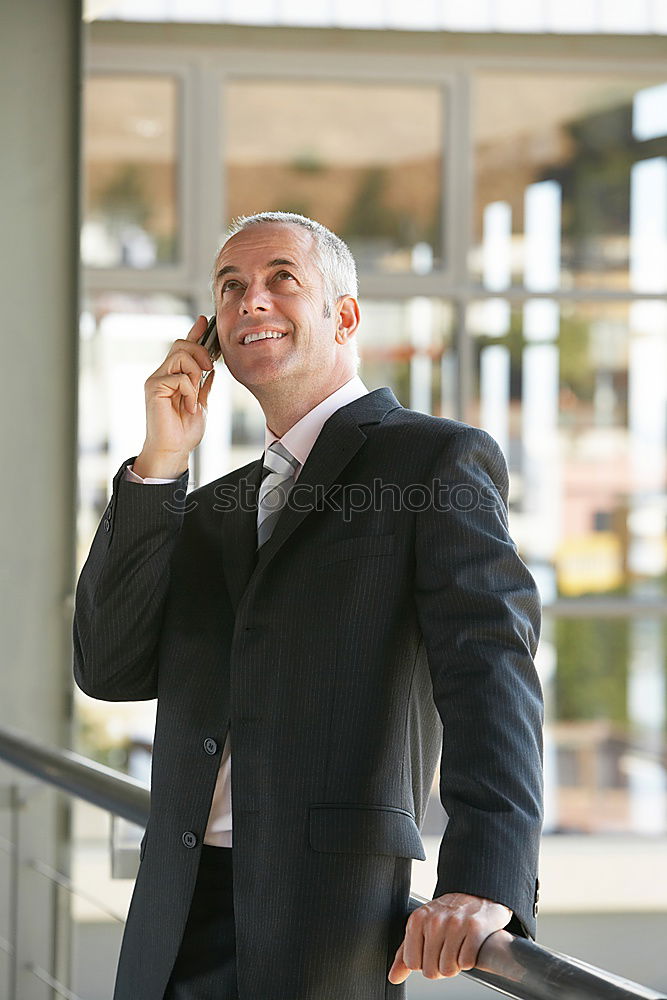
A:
(336, 656)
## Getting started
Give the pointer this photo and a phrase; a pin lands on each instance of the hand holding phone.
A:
(176, 403)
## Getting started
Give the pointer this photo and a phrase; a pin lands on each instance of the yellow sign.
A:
(590, 564)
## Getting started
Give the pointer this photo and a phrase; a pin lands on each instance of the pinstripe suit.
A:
(336, 656)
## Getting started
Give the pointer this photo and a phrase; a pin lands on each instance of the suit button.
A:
(107, 524)
(210, 746)
(535, 908)
(189, 839)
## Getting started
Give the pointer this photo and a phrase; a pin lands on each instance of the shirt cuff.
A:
(132, 477)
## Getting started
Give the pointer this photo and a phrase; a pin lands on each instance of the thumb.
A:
(205, 390)
(399, 971)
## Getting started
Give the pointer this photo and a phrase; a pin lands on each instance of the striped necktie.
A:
(279, 471)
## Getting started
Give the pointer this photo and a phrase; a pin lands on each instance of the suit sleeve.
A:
(479, 612)
(122, 590)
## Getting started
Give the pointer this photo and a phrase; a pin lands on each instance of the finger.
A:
(448, 963)
(196, 332)
(399, 971)
(433, 943)
(189, 343)
(413, 945)
(480, 926)
(177, 387)
(205, 389)
(189, 393)
(182, 361)
(471, 947)
(197, 327)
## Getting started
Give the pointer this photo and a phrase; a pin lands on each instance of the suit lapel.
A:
(327, 459)
(338, 442)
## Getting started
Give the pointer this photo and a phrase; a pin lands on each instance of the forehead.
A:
(258, 245)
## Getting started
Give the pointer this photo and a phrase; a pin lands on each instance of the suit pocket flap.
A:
(355, 548)
(349, 829)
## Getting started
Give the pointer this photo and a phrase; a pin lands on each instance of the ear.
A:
(347, 318)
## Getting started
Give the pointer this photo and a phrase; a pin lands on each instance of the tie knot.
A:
(279, 471)
(279, 460)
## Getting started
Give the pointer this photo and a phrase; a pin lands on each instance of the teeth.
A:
(263, 335)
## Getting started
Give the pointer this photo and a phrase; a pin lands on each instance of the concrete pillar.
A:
(40, 81)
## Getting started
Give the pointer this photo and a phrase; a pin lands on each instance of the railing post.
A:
(31, 906)
(13, 798)
(61, 901)
(16, 803)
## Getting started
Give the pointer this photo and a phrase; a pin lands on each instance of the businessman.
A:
(320, 627)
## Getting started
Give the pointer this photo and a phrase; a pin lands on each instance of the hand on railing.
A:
(444, 936)
(522, 969)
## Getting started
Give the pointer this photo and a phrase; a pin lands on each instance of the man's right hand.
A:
(175, 408)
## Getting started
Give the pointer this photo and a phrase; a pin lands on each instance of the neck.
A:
(284, 406)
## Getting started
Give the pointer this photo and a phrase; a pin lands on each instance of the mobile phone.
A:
(209, 339)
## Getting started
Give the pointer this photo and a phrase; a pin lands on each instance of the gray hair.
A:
(333, 258)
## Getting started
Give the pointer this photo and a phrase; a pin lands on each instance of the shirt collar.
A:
(301, 437)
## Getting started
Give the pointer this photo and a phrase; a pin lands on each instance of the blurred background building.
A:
(499, 170)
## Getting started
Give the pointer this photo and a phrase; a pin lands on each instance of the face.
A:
(266, 280)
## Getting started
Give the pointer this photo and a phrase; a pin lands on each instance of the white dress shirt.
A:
(299, 441)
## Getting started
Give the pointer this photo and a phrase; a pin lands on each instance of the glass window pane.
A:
(407, 345)
(605, 740)
(570, 181)
(364, 159)
(606, 736)
(123, 339)
(130, 210)
(576, 395)
(577, 398)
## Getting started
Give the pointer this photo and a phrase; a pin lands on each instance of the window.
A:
(570, 171)
(131, 205)
(123, 339)
(364, 159)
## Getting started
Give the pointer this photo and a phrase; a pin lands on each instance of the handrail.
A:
(511, 965)
(88, 780)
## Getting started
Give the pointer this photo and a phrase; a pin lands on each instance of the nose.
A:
(256, 298)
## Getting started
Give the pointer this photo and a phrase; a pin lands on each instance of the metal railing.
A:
(515, 966)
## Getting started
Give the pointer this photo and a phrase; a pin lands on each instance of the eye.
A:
(284, 274)
(227, 285)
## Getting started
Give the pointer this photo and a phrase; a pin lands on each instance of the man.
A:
(307, 635)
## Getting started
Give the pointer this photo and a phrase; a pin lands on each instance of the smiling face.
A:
(267, 282)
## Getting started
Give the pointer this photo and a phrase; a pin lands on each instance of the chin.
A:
(262, 375)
